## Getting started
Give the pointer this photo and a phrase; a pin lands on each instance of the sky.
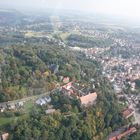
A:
(126, 8)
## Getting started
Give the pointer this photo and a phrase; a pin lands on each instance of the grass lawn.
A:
(64, 35)
(28, 106)
(4, 121)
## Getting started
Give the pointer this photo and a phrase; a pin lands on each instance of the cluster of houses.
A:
(119, 71)
(11, 106)
(43, 101)
(122, 73)
(121, 42)
(91, 52)
(71, 91)
(96, 34)
(46, 101)
(86, 98)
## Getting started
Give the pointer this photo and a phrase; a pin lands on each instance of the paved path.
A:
(34, 97)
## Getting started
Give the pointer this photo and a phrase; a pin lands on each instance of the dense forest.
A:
(87, 41)
(27, 69)
(31, 70)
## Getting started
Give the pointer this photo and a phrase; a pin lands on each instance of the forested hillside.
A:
(23, 69)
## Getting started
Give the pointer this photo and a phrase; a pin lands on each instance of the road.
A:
(34, 97)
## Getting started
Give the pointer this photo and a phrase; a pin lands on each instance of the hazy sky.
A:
(128, 8)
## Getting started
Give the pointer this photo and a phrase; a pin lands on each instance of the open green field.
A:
(4, 121)
(27, 108)
(64, 35)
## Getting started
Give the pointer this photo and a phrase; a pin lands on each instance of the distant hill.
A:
(10, 17)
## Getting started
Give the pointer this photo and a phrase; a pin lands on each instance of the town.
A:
(68, 77)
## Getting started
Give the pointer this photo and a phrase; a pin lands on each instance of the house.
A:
(117, 89)
(67, 86)
(88, 99)
(3, 107)
(50, 111)
(11, 106)
(54, 68)
(4, 136)
(41, 102)
(48, 99)
(66, 80)
(20, 104)
(124, 134)
(133, 86)
(68, 89)
(128, 113)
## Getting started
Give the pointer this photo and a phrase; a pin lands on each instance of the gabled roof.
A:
(49, 111)
(123, 134)
(88, 99)
(127, 113)
(5, 136)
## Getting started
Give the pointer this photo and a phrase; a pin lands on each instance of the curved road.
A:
(27, 98)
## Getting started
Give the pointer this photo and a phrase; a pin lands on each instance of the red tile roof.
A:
(66, 80)
(128, 113)
(128, 132)
(5, 136)
(88, 99)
